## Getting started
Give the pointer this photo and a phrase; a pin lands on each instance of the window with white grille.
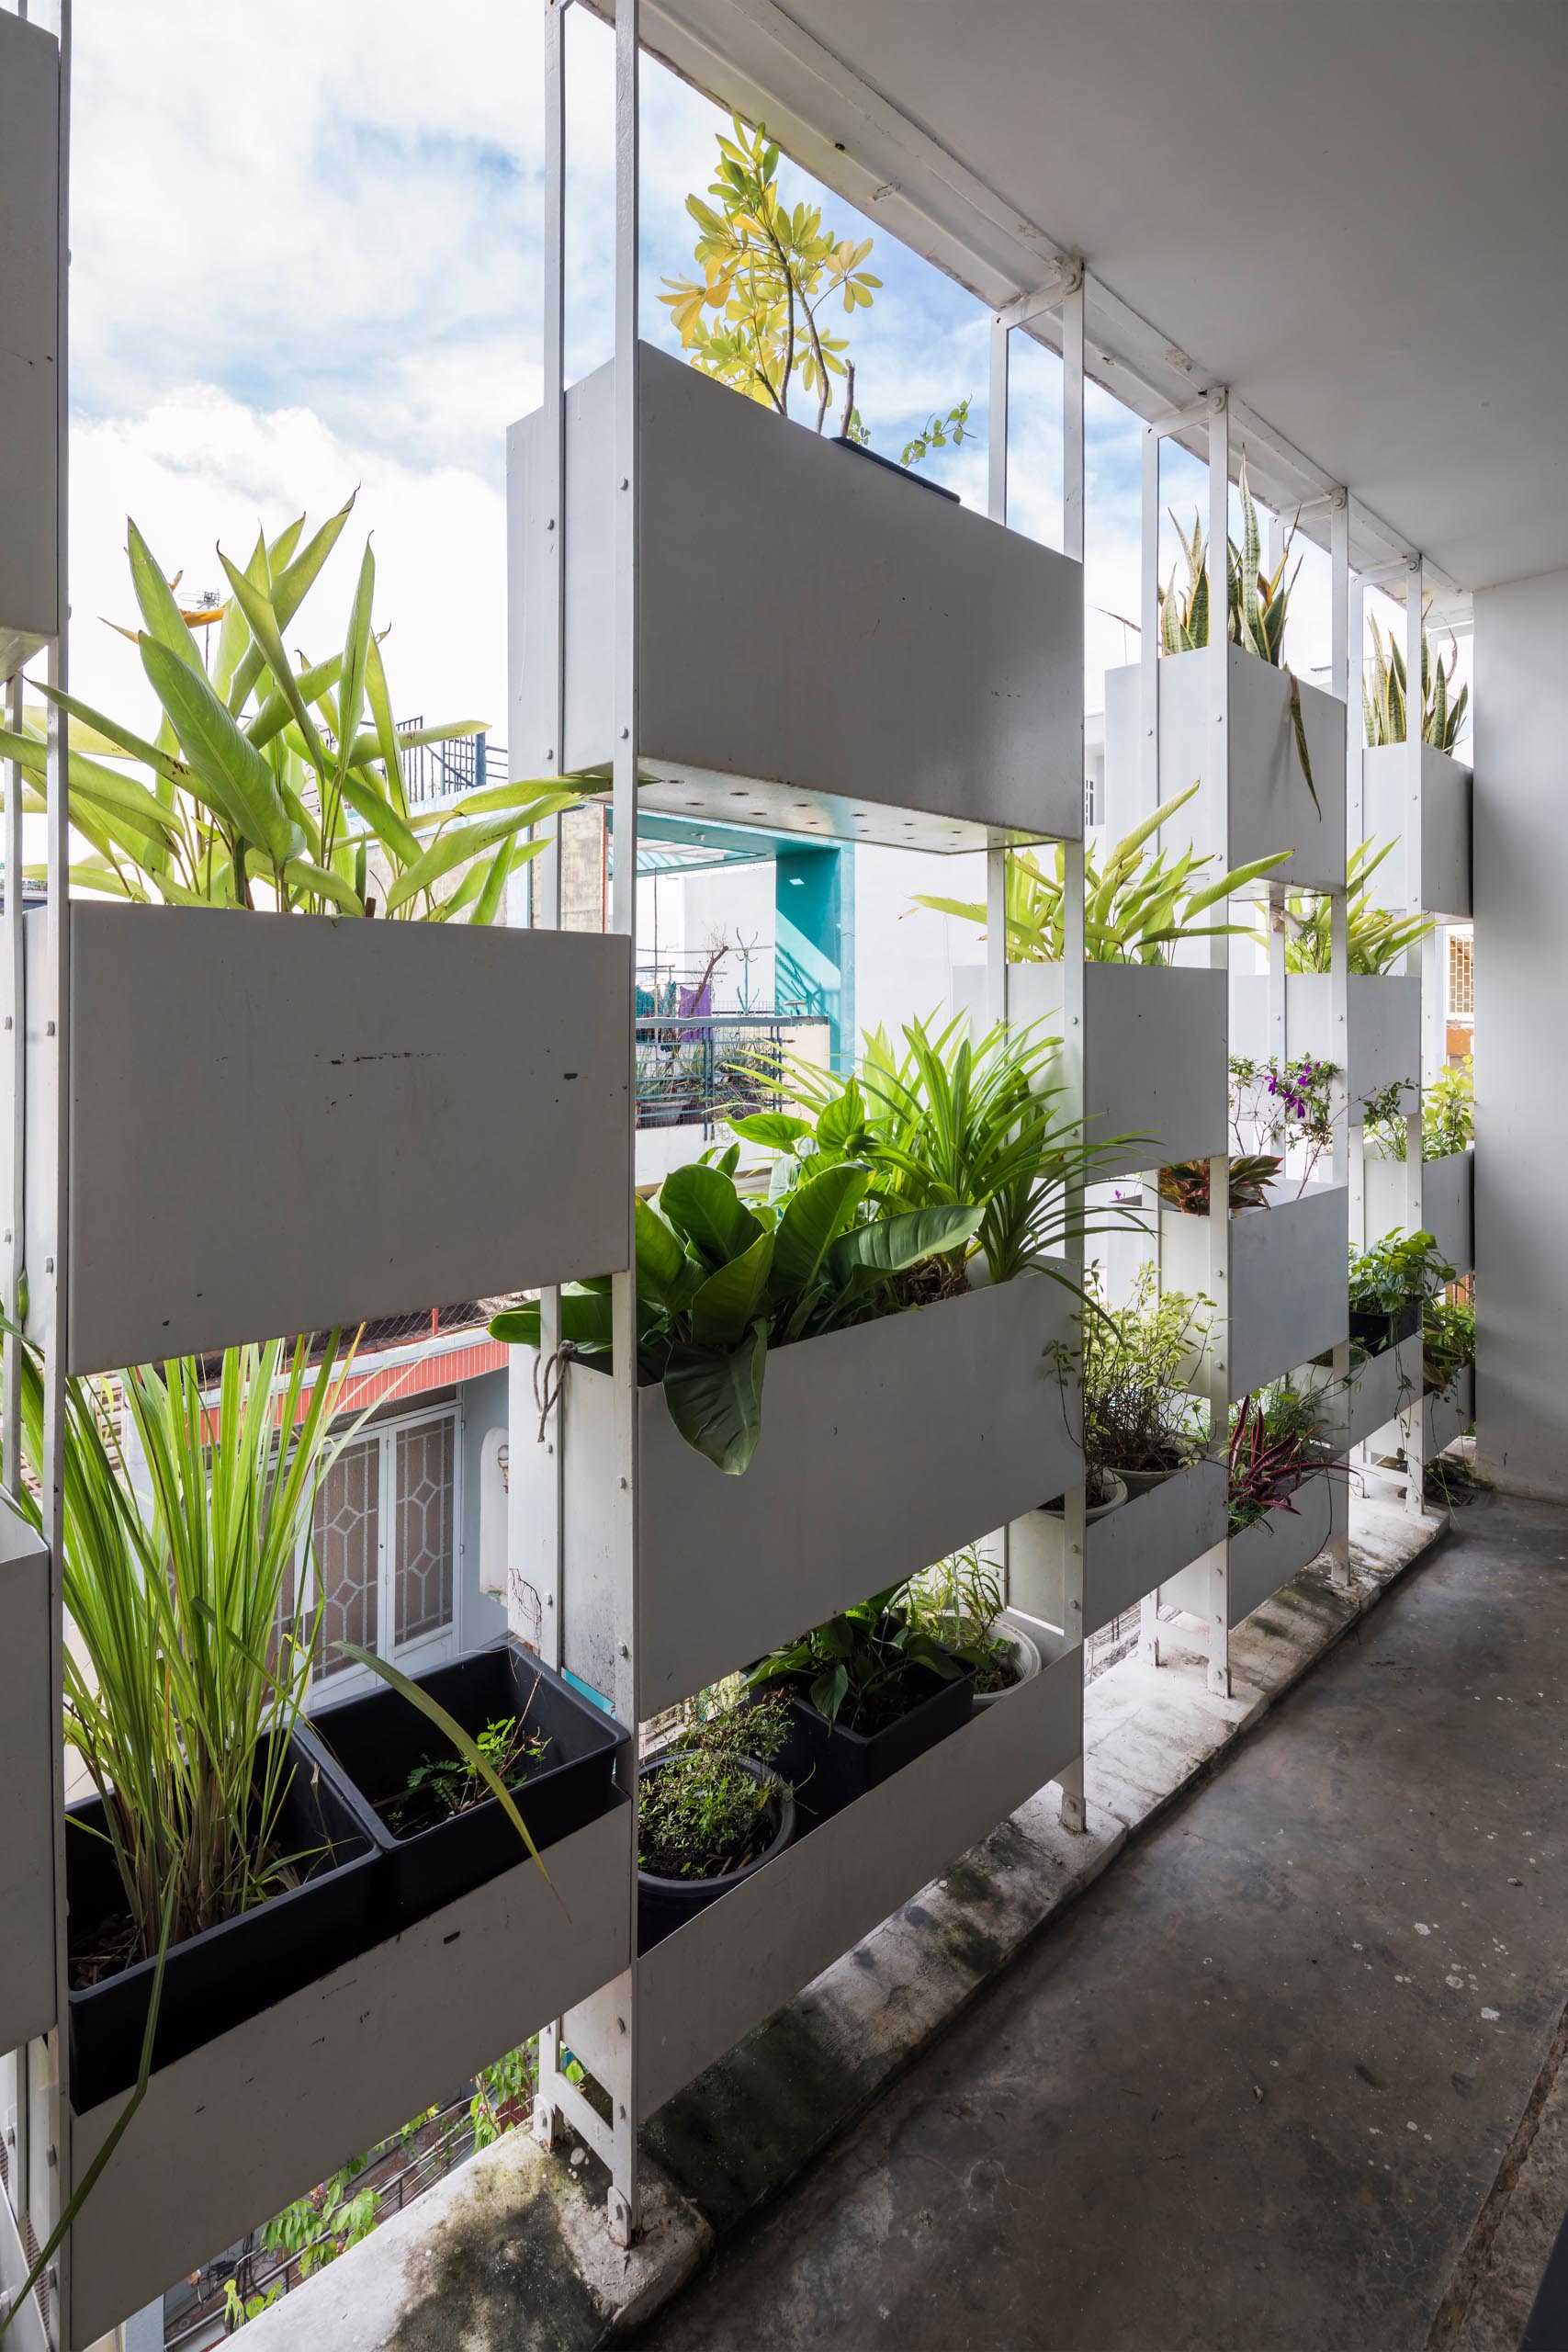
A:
(386, 1542)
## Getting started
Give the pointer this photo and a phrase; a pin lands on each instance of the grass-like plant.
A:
(1376, 939)
(701, 1814)
(1385, 697)
(1136, 906)
(272, 786)
(958, 1602)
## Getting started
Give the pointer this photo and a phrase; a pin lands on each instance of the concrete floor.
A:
(1254, 2091)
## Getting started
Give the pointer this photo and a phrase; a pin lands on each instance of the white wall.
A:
(1521, 994)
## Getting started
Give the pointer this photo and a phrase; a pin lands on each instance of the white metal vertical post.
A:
(997, 507)
(1074, 1040)
(1345, 1153)
(1216, 793)
(1415, 1420)
(15, 1067)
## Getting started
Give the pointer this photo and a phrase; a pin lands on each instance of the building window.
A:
(1462, 976)
(386, 1541)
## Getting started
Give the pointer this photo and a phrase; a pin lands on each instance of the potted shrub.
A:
(217, 1852)
(868, 1691)
(438, 1826)
(711, 1810)
(1448, 1343)
(1390, 1284)
(1278, 1441)
(959, 1602)
(1138, 1417)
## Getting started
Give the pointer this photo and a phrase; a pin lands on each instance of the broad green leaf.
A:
(733, 1296)
(302, 874)
(382, 818)
(775, 1130)
(715, 1398)
(116, 738)
(265, 629)
(451, 848)
(159, 610)
(841, 1122)
(813, 1219)
(703, 1205)
(664, 1272)
(229, 768)
(278, 711)
(584, 1320)
(356, 657)
(895, 1243)
(380, 702)
(488, 903)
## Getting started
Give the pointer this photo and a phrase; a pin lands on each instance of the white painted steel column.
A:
(1346, 1146)
(1414, 1422)
(996, 991)
(1074, 1812)
(1216, 793)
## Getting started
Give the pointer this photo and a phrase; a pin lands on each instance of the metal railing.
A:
(693, 1069)
(439, 770)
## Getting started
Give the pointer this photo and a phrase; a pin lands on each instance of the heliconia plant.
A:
(268, 785)
(1383, 698)
(1376, 939)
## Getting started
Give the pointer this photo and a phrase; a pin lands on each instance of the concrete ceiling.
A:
(1355, 214)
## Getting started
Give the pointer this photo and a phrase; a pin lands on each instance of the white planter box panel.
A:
(735, 1964)
(29, 382)
(1130, 1551)
(1384, 1387)
(1153, 1051)
(1270, 807)
(1267, 1556)
(282, 1123)
(1384, 1019)
(29, 1749)
(1444, 882)
(896, 657)
(232, 2133)
(1289, 1298)
(883, 1448)
(1447, 1192)
(1449, 1417)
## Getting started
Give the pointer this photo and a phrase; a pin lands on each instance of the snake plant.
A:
(1134, 909)
(1376, 938)
(1383, 700)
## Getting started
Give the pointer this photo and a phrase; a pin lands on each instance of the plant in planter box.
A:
(1276, 1442)
(721, 1280)
(1448, 1116)
(869, 1690)
(1384, 698)
(711, 1809)
(272, 786)
(769, 269)
(959, 1602)
(1390, 1284)
(1133, 913)
(1376, 941)
(1184, 1185)
(1140, 1423)
(1447, 1342)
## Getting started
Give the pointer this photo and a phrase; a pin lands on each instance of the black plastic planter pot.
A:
(665, 1904)
(1378, 1332)
(376, 1741)
(230, 1972)
(829, 1768)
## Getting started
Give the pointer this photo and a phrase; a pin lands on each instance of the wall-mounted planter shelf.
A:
(232, 2132)
(883, 1448)
(1449, 1417)
(1384, 1019)
(1448, 1190)
(1271, 807)
(1443, 886)
(735, 1964)
(29, 383)
(1384, 1387)
(1132, 1551)
(238, 1075)
(1269, 1555)
(1289, 1300)
(1151, 1070)
(900, 669)
(29, 1741)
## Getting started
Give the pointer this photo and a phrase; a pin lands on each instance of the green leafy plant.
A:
(1277, 1441)
(1257, 605)
(936, 433)
(440, 1786)
(1448, 1117)
(701, 1813)
(948, 1121)
(769, 269)
(720, 1281)
(958, 1602)
(265, 778)
(1447, 1342)
(1184, 1185)
(1138, 1415)
(1384, 697)
(1396, 1269)
(1136, 910)
(1376, 939)
(857, 1667)
(503, 2094)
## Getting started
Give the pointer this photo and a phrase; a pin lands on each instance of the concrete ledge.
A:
(511, 2253)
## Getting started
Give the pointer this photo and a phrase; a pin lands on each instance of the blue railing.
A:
(693, 1069)
(439, 771)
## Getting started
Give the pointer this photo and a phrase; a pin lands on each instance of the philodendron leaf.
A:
(895, 1243)
(584, 1320)
(732, 1297)
(813, 1219)
(714, 1395)
(664, 1272)
(703, 1205)
(775, 1130)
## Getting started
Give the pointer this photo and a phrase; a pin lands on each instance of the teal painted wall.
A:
(814, 947)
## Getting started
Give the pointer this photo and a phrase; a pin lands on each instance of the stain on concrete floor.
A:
(1251, 2095)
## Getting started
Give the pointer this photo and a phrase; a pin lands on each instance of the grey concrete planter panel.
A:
(1270, 805)
(1384, 1387)
(1448, 1190)
(1269, 1555)
(1153, 1051)
(30, 1745)
(1443, 885)
(29, 382)
(889, 655)
(736, 1963)
(1289, 1296)
(1449, 1417)
(1132, 1551)
(883, 1448)
(233, 2131)
(1384, 1019)
(282, 1123)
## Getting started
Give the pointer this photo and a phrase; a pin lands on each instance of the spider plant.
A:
(1257, 604)
(1134, 912)
(1384, 699)
(952, 1121)
(270, 785)
(1377, 940)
